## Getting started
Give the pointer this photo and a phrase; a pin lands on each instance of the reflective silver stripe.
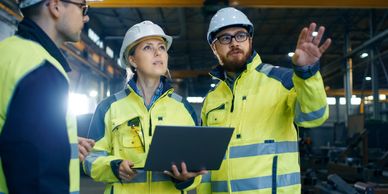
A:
(263, 149)
(266, 69)
(74, 150)
(206, 178)
(176, 97)
(159, 177)
(120, 95)
(302, 117)
(256, 183)
(141, 177)
(74, 192)
(91, 158)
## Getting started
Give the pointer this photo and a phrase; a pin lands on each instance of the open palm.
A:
(307, 50)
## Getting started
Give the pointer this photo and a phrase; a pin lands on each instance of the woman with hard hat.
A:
(123, 123)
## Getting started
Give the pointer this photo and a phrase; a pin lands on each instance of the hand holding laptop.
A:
(126, 171)
(184, 174)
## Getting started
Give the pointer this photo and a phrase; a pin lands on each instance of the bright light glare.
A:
(290, 54)
(315, 34)
(212, 85)
(368, 78)
(93, 93)
(194, 99)
(78, 104)
(363, 55)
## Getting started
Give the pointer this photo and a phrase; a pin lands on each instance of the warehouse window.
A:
(109, 52)
(95, 38)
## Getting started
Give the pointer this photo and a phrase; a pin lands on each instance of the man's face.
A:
(70, 26)
(233, 55)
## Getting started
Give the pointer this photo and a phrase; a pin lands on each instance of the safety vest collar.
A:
(166, 83)
(28, 29)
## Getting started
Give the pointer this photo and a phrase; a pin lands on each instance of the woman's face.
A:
(150, 58)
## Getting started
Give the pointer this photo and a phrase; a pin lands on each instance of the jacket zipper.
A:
(150, 128)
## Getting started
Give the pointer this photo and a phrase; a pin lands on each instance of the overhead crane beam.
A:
(246, 3)
(340, 92)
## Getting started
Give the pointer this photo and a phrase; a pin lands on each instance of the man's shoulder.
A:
(281, 74)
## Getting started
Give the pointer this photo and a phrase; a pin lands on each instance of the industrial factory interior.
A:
(346, 154)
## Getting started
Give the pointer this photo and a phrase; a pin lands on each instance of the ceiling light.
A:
(195, 99)
(290, 54)
(93, 93)
(368, 78)
(363, 55)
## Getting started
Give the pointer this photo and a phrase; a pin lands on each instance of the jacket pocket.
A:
(131, 141)
(217, 116)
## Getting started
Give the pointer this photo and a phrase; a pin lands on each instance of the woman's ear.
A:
(132, 61)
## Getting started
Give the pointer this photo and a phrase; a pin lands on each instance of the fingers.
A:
(184, 169)
(202, 172)
(318, 38)
(87, 144)
(125, 167)
(82, 153)
(168, 173)
(325, 46)
(309, 36)
(302, 37)
(175, 170)
(81, 157)
(125, 170)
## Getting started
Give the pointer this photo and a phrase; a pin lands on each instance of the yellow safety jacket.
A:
(20, 57)
(124, 129)
(266, 100)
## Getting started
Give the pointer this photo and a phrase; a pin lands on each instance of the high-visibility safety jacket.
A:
(123, 127)
(266, 100)
(49, 160)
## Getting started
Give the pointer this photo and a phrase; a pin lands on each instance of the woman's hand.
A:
(126, 172)
(184, 175)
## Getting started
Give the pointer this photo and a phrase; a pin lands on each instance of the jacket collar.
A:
(219, 71)
(28, 29)
(166, 83)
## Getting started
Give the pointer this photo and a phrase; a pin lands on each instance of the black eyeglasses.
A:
(227, 38)
(83, 6)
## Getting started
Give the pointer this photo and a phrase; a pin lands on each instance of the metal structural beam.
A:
(348, 76)
(250, 3)
(340, 92)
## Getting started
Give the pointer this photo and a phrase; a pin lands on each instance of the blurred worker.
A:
(261, 102)
(38, 140)
(123, 124)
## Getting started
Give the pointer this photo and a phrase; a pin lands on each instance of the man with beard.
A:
(262, 102)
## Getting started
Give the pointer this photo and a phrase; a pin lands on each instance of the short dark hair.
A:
(33, 10)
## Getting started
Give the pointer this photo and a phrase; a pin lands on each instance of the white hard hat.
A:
(137, 32)
(225, 17)
(27, 3)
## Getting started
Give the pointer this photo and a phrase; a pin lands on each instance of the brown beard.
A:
(235, 65)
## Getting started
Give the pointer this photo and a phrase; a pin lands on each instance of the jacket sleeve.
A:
(34, 144)
(309, 97)
(205, 186)
(98, 163)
